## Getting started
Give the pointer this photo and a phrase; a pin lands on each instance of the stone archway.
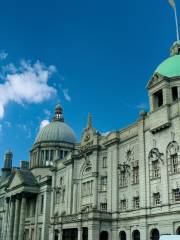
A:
(155, 234)
(178, 231)
(136, 235)
(104, 235)
(122, 235)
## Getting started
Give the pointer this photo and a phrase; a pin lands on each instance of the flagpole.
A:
(176, 19)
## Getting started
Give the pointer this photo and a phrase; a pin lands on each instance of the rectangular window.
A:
(156, 199)
(104, 184)
(87, 188)
(174, 93)
(136, 175)
(155, 169)
(174, 163)
(103, 207)
(123, 205)
(104, 162)
(158, 99)
(136, 202)
(123, 179)
(42, 204)
(51, 155)
(61, 154)
(176, 195)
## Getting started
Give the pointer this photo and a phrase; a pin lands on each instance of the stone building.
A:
(124, 185)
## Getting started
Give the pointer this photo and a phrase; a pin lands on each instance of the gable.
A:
(15, 181)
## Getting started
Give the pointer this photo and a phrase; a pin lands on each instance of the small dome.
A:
(56, 132)
(171, 67)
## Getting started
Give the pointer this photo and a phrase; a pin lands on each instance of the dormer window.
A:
(158, 99)
(174, 91)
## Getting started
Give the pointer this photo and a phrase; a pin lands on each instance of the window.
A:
(47, 155)
(65, 153)
(42, 204)
(136, 175)
(174, 91)
(42, 157)
(87, 188)
(155, 169)
(136, 202)
(103, 207)
(174, 163)
(123, 205)
(176, 195)
(61, 154)
(58, 195)
(156, 199)
(104, 184)
(51, 155)
(123, 179)
(104, 162)
(158, 99)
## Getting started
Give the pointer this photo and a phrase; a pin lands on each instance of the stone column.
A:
(6, 219)
(80, 233)
(16, 219)
(22, 218)
(11, 221)
(74, 198)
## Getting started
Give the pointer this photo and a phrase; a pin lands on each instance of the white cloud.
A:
(47, 113)
(66, 95)
(26, 84)
(44, 123)
(142, 105)
(3, 55)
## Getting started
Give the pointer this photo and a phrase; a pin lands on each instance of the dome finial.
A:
(175, 49)
(58, 113)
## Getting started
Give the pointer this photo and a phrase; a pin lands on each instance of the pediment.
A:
(22, 178)
(156, 78)
(15, 181)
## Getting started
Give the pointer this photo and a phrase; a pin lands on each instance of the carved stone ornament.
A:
(130, 154)
(155, 155)
(172, 149)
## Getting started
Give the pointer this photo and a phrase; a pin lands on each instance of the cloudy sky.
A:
(91, 56)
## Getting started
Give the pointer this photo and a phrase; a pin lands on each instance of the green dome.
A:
(56, 131)
(170, 67)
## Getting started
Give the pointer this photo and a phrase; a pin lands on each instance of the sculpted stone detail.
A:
(172, 149)
(155, 155)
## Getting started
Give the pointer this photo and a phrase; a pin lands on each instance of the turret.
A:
(6, 170)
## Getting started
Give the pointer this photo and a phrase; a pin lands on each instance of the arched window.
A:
(178, 231)
(122, 235)
(104, 235)
(136, 235)
(172, 157)
(154, 234)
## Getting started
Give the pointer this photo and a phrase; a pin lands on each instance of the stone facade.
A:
(123, 185)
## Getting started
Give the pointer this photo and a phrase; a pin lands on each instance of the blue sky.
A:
(92, 56)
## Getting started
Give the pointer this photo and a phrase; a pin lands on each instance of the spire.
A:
(89, 125)
(58, 116)
(8, 159)
(173, 5)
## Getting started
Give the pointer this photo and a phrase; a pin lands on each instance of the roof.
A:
(170, 67)
(27, 177)
(56, 131)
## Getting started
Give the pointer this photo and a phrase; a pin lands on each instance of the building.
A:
(120, 186)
